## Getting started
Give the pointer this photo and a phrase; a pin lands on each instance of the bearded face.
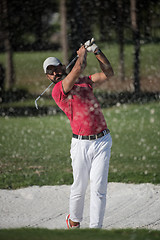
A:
(56, 73)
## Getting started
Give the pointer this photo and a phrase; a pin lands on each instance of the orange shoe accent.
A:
(69, 225)
(67, 221)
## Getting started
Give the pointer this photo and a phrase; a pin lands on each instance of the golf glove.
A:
(90, 45)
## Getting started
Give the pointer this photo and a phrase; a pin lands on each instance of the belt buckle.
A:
(92, 137)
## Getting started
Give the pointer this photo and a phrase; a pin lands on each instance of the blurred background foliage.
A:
(62, 25)
(36, 25)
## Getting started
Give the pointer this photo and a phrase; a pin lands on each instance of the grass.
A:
(44, 234)
(32, 153)
(30, 102)
(29, 72)
(135, 152)
(35, 150)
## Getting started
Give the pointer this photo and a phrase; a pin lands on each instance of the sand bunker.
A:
(128, 206)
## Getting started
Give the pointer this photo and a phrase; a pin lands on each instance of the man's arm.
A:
(104, 63)
(69, 81)
(106, 68)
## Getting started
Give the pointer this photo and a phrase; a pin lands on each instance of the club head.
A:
(36, 104)
(37, 100)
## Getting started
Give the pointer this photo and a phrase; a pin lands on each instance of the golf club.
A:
(73, 60)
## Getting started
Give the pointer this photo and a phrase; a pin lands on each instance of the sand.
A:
(128, 206)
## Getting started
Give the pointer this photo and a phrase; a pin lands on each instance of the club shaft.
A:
(45, 90)
(73, 60)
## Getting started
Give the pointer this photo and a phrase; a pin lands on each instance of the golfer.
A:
(91, 141)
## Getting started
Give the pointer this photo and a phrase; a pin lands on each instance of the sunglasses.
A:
(51, 69)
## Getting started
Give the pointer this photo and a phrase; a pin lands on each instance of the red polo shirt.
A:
(81, 107)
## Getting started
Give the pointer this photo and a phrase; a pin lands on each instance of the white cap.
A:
(51, 61)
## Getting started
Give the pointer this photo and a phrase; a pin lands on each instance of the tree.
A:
(136, 41)
(105, 11)
(79, 23)
(19, 19)
(6, 31)
(64, 41)
(120, 30)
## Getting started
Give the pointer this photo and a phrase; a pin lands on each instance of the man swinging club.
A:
(91, 141)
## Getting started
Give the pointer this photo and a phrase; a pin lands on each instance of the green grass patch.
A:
(136, 139)
(44, 234)
(30, 102)
(30, 75)
(36, 150)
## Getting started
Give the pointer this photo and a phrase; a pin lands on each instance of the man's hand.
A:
(90, 45)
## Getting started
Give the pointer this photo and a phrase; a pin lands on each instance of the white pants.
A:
(90, 160)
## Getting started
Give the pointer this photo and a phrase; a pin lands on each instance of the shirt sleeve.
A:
(57, 93)
(87, 80)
